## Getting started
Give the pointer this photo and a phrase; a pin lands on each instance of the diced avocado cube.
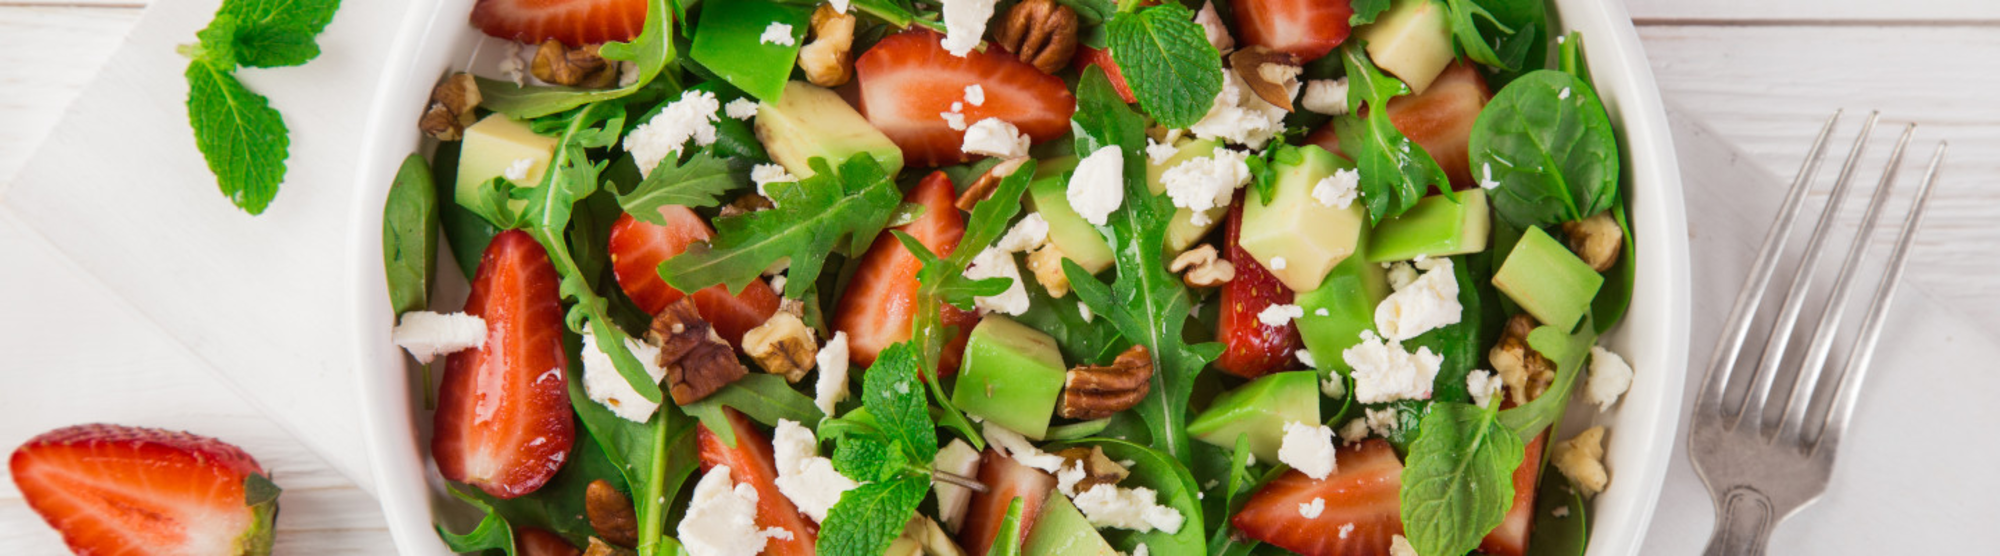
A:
(745, 59)
(495, 144)
(1183, 232)
(811, 122)
(1079, 241)
(1310, 237)
(1260, 409)
(1011, 376)
(1062, 530)
(1435, 227)
(1547, 280)
(1411, 41)
(1348, 296)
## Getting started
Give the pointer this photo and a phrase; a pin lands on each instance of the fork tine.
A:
(1814, 363)
(1858, 357)
(1722, 362)
(1801, 284)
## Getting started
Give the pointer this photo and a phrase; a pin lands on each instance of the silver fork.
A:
(1757, 471)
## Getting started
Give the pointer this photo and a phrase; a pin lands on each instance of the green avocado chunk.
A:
(1079, 241)
(1435, 227)
(812, 122)
(1062, 530)
(1294, 227)
(1183, 232)
(1348, 297)
(1011, 376)
(1547, 280)
(1260, 409)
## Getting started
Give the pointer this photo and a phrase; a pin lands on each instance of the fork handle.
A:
(1742, 524)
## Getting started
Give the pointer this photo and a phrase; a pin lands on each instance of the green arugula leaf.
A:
(492, 533)
(1548, 142)
(1008, 541)
(650, 51)
(812, 217)
(1365, 11)
(1465, 16)
(867, 519)
(1082, 341)
(1458, 479)
(1166, 58)
(699, 182)
(1263, 170)
(1395, 171)
(1569, 352)
(894, 395)
(275, 33)
(956, 290)
(765, 398)
(243, 139)
(655, 458)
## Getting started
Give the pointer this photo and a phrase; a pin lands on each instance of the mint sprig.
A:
(1167, 60)
(889, 444)
(811, 219)
(1458, 481)
(1395, 171)
(243, 139)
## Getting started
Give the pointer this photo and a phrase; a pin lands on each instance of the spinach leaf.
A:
(465, 232)
(1176, 488)
(1458, 479)
(1569, 352)
(492, 533)
(1558, 535)
(1616, 295)
(1166, 58)
(1526, 48)
(1395, 171)
(765, 398)
(1462, 343)
(409, 236)
(655, 458)
(650, 51)
(1547, 141)
(728, 40)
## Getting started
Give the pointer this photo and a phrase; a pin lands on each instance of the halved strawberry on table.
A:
(908, 81)
(753, 462)
(1439, 120)
(1101, 57)
(637, 247)
(1362, 506)
(503, 420)
(111, 489)
(1005, 480)
(1511, 537)
(574, 22)
(880, 305)
(1306, 28)
(1251, 348)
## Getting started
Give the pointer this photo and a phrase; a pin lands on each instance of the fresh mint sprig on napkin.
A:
(241, 136)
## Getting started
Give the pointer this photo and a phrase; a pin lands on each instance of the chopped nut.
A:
(1596, 240)
(923, 537)
(600, 548)
(782, 346)
(451, 107)
(983, 187)
(1098, 469)
(746, 204)
(576, 67)
(1581, 458)
(1046, 263)
(697, 361)
(1523, 370)
(1204, 269)
(1098, 392)
(611, 514)
(827, 58)
(1039, 32)
(1273, 75)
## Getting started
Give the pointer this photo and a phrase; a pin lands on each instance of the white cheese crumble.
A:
(1483, 385)
(1354, 431)
(1383, 422)
(1321, 312)
(957, 458)
(608, 388)
(1384, 372)
(831, 388)
(1338, 190)
(1206, 182)
(1400, 546)
(1401, 275)
(778, 283)
(628, 74)
(839, 5)
(1309, 449)
(1214, 29)
(975, 95)
(1013, 445)
(518, 171)
(1486, 176)
(426, 335)
(1097, 186)
(1142, 550)
(1564, 95)
(777, 33)
(1027, 235)
(515, 70)
(1240, 117)
(1610, 377)
(1326, 96)
(804, 477)
(721, 520)
(1158, 153)
(766, 174)
(953, 120)
(1311, 510)
(690, 118)
(995, 137)
(1069, 476)
(1346, 530)
(1279, 315)
(1084, 311)
(964, 23)
(1136, 509)
(1431, 301)
(741, 109)
(1560, 511)
(1334, 388)
(1306, 358)
(998, 263)
(1278, 263)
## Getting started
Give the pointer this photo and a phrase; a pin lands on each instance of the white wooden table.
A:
(1762, 74)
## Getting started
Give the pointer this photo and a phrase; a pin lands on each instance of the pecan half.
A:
(450, 110)
(698, 362)
(827, 59)
(1046, 263)
(1523, 370)
(1273, 75)
(576, 67)
(1204, 269)
(1098, 469)
(1097, 392)
(611, 514)
(1596, 240)
(600, 548)
(782, 346)
(983, 187)
(1039, 32)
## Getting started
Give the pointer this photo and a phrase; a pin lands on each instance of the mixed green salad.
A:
(1016, 277)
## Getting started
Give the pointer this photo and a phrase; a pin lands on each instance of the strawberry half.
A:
(503, 420)
(752, 462)
(1306, 28)
(1005, 480)
(1101, 57)
(1439, 120)
(879, 307)
(1511, 537)
(574, 22)
(534, 541)
(1363, 494)
(637, 248)
(115, 490)
(1251, 348)
(908, 80)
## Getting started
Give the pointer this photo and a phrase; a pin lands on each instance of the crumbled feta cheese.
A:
(1384, 372)
(1346, 530)
(1610, 376)
(1401, 275)
(998, 263)
(1400, 546)
(518, 171)
(1430, 301)
(957, 458)
(766, 174)
(995, 137)
(1338, 190)
(1486, 176)
(778, 283)
(1216, 31)
(1564, 95)
(1278, 315)
(1383, 422)
(721, 520)
(628, 74)
(1326, 96)
(1354, 431)
(690, 118)
(1142, 550)
(610, 389)
(1560, 511)
(427, 335)
(1013, 445)
(1158, 153)
(831, 388)
(1321, 312)
(1084, 311)
(1206, 182)
(1311, 510)
(975, 95)
(1278, 263)
(804, 477)
(957, 106)
(1581, 458)
(839, 5)
(1136, 509)
(1237, 116)
(1333, 387)
(777, 33)
(1069, 476)
(953, 120)
(1306, 358)
(741, 109)
(1027, 235)
(1097, 186)
(1483, 385)
(964, 23)
(1309, 449)
(515, 70)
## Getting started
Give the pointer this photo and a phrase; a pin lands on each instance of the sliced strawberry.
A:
(503, 420)
(574, 22)
(1005, 480)
(1439, 120)
(1251, 348)
(1306, 28)
(753, 462)
(1511, 537)
(533, 541)
(637, 247)
(909, 79)
(880, 304)
(1362, 493)
(1101, 57)
(117, 490)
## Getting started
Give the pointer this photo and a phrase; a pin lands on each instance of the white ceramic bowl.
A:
(1654, 337)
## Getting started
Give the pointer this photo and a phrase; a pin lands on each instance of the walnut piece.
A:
(1046, 263)
(1581, 458)
(745, 204)
(1204, 269)
(575, 67)
(1524, 371)
(1273, 75)
(1039, 32)
(1098, 469)
(600, 548)
(983, 187)
(697, 361)
(450, 110)
(1596, 240)
(1098, 392)
(611, 514)
(782, 346)
(827, 58)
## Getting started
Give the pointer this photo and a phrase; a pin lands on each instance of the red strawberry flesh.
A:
(753, 462)
(1251, 348)
(879, 307)
(1306, 28)
(637, 247)
(908, 80)
(116, 490)
(1005, 480)
(1511, 537)
(1363, 493)
(1439, 120)
(574, 22)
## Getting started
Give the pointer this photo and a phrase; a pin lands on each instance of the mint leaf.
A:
(1395, 171)
(893, 392)
(1365, 11)
(242, 138)
(1465, 30)
(865, 455)
(699, 182)
(812, 217)
(1458, 479)
(1167, 60)
(276, 33)
(868, 519)
(650, 51)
